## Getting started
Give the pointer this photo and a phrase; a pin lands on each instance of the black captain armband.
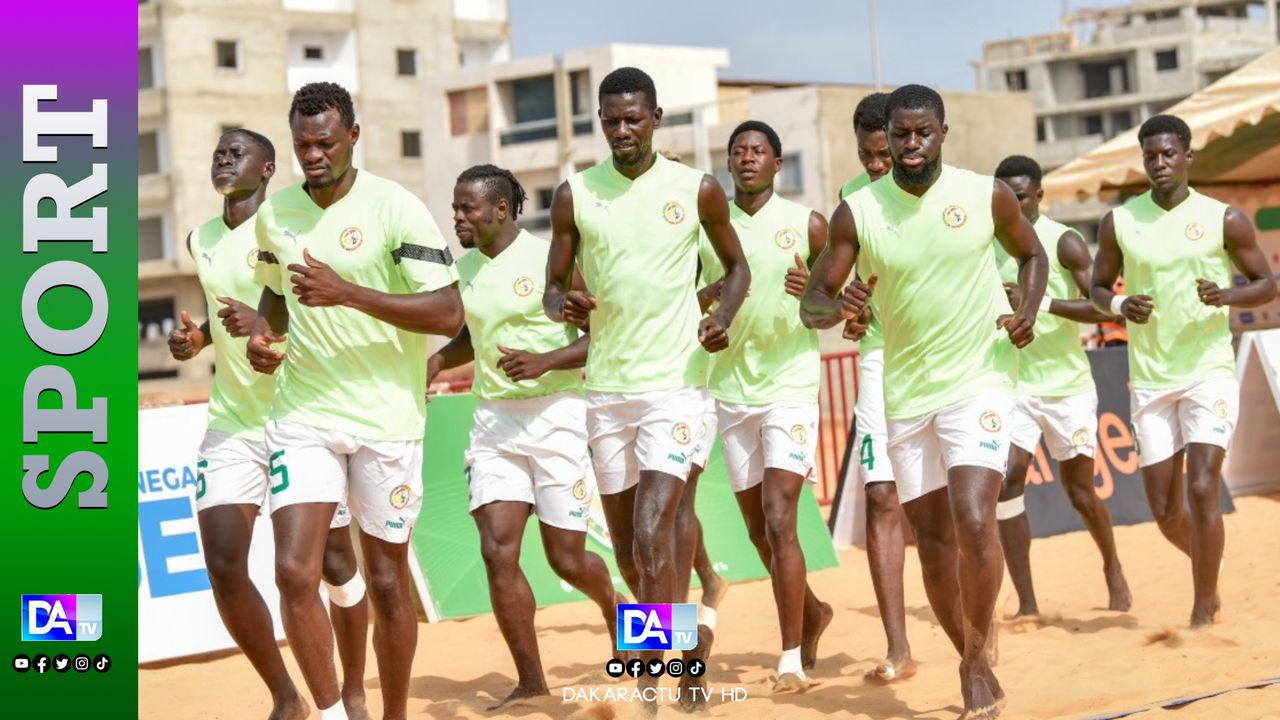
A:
(422, 252)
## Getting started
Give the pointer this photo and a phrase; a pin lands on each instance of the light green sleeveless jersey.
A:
(771, 357)
(1054, 364)
(502, 297)
(346, 370)
(638, 255)
(1165, 252)
(225, 259)
(939, 292)
(874, 339)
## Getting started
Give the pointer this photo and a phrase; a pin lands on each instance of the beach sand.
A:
(1079, 661)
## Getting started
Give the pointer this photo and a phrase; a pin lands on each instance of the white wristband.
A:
(1045, 303)
(1116, 302)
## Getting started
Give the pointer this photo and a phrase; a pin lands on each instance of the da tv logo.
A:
(65, 618)
(657, 626)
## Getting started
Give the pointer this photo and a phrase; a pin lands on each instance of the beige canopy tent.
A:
(1235, 131)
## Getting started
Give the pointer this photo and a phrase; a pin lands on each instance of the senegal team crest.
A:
(252, 258)
(1194, 231)
(799, 434)
(523, 286)
(990, 421)
(1080, 438)
(682, 433)
(400, 496)
(1220, 407)
(351, 238)
(673, 212)
(954, 216)
(786, 238)
(580, 489)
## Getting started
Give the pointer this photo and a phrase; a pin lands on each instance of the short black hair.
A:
(318, 97)
(258, 138)
(763, 128)
(870, 115)
(499, 184)
(914, 97)
(1019, 165)
(629, 80)
(1166, 124)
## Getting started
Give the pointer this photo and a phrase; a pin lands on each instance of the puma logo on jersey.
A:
(290, 234)
(207, 257)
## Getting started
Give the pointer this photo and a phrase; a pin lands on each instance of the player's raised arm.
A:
(822, 305)
(1019, 240)
(713, 208)
(561, 301)
(1241, 243)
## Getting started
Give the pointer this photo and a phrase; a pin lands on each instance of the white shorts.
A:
(782, 436)
(972, 432)
(533, 451)
(871, 431)
(1165, 421)
(1069, 424)
(706, 436)
(653, 431)
(380, 480)
(233, 471)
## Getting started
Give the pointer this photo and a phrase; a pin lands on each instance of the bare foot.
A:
(1118, 588)
(713, 591)
(980, 702)
(355, 705)
(892, 671)
(1031, 613)
(811, 635)
(692, 693)
(294, 708)
(790, 683)
(520, 693)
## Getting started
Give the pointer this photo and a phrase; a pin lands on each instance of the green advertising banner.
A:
(448, 546)
(70, 173)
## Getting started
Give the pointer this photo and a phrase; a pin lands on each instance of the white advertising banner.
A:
(1255, 450)
(176, 612)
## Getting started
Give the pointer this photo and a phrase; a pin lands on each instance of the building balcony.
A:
(536, 130)
(1060, 152)
(482, 10)
(1019, 49)
(153, 189)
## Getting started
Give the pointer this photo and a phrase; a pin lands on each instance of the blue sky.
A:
(928, 41)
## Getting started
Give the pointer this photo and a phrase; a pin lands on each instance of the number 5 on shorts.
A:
(282, 470)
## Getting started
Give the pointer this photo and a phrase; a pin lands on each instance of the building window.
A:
(146, 69)
(227, 54)
(791, 178)
(1092, 124)
(1040, 131)
(312, 52)
(410, 143)
(1105, 78)
(1121, 121)
(406, 62)
(1015, 80)
(545, 197)
(148, 153)
(535, 99)
(151, 239)
(155, 318)
(1167, 60)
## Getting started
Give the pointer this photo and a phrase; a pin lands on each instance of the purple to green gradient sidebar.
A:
(87, 48)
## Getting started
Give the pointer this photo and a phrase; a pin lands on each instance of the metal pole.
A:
(875, 45)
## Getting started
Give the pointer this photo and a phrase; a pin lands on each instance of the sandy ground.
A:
(1080, 662)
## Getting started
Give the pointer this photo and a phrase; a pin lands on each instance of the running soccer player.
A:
(1056, 395)
(355, 270)
(232, 467)
(529, 439)
(886, 546)
(766, 387)
(1176, 248)
(948, 369)
(632, 223)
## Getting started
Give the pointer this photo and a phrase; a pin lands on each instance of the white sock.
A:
(337, 712)
(708, 617)
(790, 663)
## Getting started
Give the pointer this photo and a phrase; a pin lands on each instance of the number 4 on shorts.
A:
(867, 453)
(279, 469)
